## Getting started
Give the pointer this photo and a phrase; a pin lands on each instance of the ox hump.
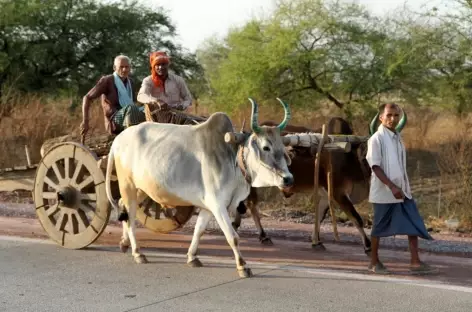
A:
(217, 123)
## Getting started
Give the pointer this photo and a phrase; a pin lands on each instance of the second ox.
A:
(350, 171)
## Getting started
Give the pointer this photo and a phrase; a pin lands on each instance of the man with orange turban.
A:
(162, 87)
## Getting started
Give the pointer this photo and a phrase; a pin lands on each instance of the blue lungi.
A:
(398, 219)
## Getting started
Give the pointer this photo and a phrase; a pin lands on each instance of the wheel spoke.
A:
(85, 183)
(60, 222)
(73, 180)
(51, 184)
(86, 208)
(66, 169)
(68, 226)
(57, 172)
(88, 196)
(49, 195)
(82, 221)
(52, 210)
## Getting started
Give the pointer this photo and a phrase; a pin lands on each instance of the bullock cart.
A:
(69, 182)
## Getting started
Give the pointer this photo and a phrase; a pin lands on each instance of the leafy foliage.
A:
(68, 44)
(310, 51)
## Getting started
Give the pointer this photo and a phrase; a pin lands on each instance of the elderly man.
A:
(116, 97)
(395, 211)
(162, 88)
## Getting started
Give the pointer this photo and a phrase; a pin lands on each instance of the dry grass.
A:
(439, 150)
(33, 119)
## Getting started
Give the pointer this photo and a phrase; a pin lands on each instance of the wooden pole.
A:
(315, 243)
(28, 158)
(330, 198)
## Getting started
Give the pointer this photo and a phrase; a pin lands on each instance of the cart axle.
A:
(68, 196)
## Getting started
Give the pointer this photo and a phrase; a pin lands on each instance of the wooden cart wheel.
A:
(69, 195)
(160, 220)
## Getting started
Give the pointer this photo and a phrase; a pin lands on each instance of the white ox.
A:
(192, 165)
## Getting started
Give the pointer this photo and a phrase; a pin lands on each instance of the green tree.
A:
(311, 51)
(68, 44)
(307, 51)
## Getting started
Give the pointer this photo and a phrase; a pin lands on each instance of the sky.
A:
(198, 20)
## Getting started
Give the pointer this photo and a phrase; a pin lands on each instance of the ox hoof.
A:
(123, 247)
(195, 263)
(246, 272)
(318, 246)
(266, 241)
(141, 259)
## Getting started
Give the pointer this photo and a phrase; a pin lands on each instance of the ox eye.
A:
(266, 148)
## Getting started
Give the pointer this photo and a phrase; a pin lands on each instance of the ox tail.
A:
(122, 215)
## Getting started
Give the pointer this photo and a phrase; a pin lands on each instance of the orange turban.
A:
(155, 58)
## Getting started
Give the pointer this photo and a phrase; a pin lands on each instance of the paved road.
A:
(37, 275)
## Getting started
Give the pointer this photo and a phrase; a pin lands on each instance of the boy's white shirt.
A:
(386, 150)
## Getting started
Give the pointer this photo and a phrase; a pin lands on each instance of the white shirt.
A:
(176, 92)
(377, 143)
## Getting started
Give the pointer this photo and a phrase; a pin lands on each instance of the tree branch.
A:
(296, 90)
(314, 85)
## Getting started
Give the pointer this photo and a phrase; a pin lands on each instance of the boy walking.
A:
(395, 211)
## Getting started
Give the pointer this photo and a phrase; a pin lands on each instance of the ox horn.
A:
(254, 117)
(402, 122)
(287, 117)
(373, 124)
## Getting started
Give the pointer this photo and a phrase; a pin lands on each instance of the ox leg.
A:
(222, 217)
(263, 238)
(252, 201)
(132, 206)
(125, 240)
(124, 243)
(204, 216)
(323, 206)
(351, 212)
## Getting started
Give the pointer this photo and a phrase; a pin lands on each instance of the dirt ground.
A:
(350, 258)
